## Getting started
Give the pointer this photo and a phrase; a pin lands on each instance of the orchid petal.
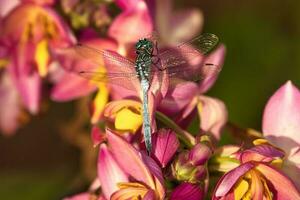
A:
(199, 154)
(261, 153)
(213, 115)
(165, 146)
(114, 107)
(281, 119)
(131, 191)
(7, 5)
(227, 150)
(156, 171)
(229, 179)
(187, 191)
(280, 183)
(30, 89)
(178, 98)
(40, 2)
(109, 172)
(256, 185)
(97, 136)
(126, 27)
(185, 25)
(71, 86)
(9, 110)
(26, 14)
(292, 168)
(127, 4)
(129, 159)
(82, 196)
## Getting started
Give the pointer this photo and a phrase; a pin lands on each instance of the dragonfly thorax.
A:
(144, 49)
(144, 46)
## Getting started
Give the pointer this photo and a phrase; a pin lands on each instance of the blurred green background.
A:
(263, 43)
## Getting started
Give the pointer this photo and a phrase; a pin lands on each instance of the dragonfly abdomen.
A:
(143, 70)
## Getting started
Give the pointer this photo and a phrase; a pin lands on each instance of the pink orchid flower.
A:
(257, 177)
(39, 31)
(281, 126)
(183, 99)
(120, 160)
(69, 86)
(175, 27)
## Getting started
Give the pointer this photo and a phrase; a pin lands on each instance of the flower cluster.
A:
(37, 60)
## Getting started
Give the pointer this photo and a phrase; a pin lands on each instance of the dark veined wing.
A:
(102, 66)
(185, 61)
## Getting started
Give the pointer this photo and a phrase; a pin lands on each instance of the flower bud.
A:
(190, 165)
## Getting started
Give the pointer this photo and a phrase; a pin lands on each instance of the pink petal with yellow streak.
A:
(187, 191)
(126, 28)
(23, 16)
(165, 146)
(229, 179)
(129, 159)
(115, 106)
(157, 174)
(109, 172)
(134, 192)
(213, 115)
(281, 119)
(217, 58)
(27, 81)
(71, 86)
(261, 153)
(279, 182)
(257, 188)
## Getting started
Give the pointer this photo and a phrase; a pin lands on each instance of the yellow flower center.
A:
(128, 119)
(42, 57)
(252, 185)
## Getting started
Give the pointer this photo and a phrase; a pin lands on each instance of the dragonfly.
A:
(176, 62)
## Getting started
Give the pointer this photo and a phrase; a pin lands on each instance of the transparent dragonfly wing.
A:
(118, 70)
(124, 80)
(98, 56)
(186, 61)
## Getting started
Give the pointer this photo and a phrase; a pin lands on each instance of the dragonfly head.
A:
(143, 45)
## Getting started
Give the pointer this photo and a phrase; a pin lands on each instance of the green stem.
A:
(183, 135)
